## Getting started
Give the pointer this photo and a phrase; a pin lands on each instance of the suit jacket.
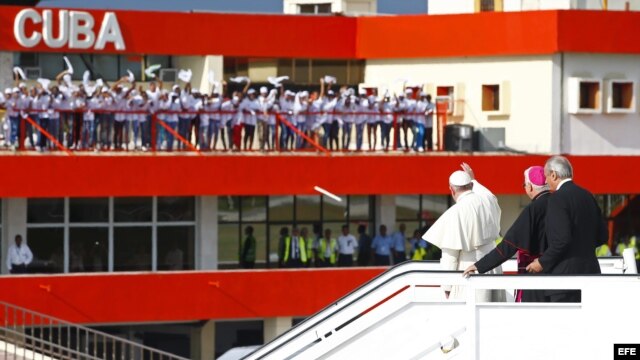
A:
(575, 227)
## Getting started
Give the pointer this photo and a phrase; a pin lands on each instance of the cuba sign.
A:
(75, 29)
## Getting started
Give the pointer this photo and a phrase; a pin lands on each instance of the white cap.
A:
(195, 91)
(22, 85)
(408, 91)
(459, 178)
(15, 89)
(362, 92)
(175, 87)
(7, 91)
(330, 93)
(251, 91)
(289, 93)
(263, 90)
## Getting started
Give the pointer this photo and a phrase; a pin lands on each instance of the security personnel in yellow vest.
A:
(623, 244)
(304, 233)
(295, 250)
(327, 250)
(603, 250)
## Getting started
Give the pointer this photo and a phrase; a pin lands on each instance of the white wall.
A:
(438, 7)
(600, 134)
(528, 5)
(351, 7)
(528, 124)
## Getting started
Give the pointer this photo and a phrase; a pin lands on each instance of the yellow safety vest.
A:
(419, 254)
(333, 246)
(632, 244)
(301, 246)
(603, 250)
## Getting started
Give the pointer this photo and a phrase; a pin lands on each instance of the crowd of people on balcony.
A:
(125, 115)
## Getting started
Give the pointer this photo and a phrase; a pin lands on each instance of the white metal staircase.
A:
(403, 314)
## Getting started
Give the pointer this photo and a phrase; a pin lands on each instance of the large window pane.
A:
(281, 208)
(337, 68)
(275, 243)
(88, 210)
(163, 60)
(47, 247)
(254, 208)
(308, 208)
(49, 210)
(132, 248)
(260, 234)
(301, 71)
(132, 209)
(89, 249)
(433, 206)
(228, 209)
(177, 208)
(359, 207)
(407, 207)
(106, 67)
(51, 64)
(176, 247)
(334, 210)
(133, 63)
(78, 63)
(228, 242)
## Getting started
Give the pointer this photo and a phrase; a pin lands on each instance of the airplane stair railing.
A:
(27, 334)
(403, 314)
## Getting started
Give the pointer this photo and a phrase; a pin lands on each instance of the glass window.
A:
(132, 209)
(260, 234)
(49, 210)
(359, 207)
(433, 206)
(79, 63)
(47, 246)
(176, 247)
(51, 64)
(337, 68)
(228, 242)
(163, 60)
(88, 249)
(307, 208)
(301, 71)
(133, 63)
(254, 208)
(228, 209)
(285, 68)
(276, 242)
(106, 67)
(88, 210)
(407, 207)
(132, 248)
(334, 210)
(281, 208)
(177, 208)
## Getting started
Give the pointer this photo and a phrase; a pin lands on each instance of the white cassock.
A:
(466, 232)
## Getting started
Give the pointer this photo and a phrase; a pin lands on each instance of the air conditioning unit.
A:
(32, 73)
(168, 75)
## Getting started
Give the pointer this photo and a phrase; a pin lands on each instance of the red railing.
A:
(394, 130)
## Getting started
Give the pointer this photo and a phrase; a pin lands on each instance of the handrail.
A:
(350, 300)
(174, 133)
(47, 134)
(303, 135)
(48, 335)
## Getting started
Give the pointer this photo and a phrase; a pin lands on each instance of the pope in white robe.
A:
(467, 231)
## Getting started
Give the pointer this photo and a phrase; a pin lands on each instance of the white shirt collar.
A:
(563, 182)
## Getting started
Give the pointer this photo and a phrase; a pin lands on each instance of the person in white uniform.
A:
(467, 231)
(19, 256)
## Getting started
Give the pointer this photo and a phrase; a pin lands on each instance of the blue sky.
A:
(254, 6)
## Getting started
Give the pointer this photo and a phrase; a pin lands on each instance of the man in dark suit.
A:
(575, 227)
